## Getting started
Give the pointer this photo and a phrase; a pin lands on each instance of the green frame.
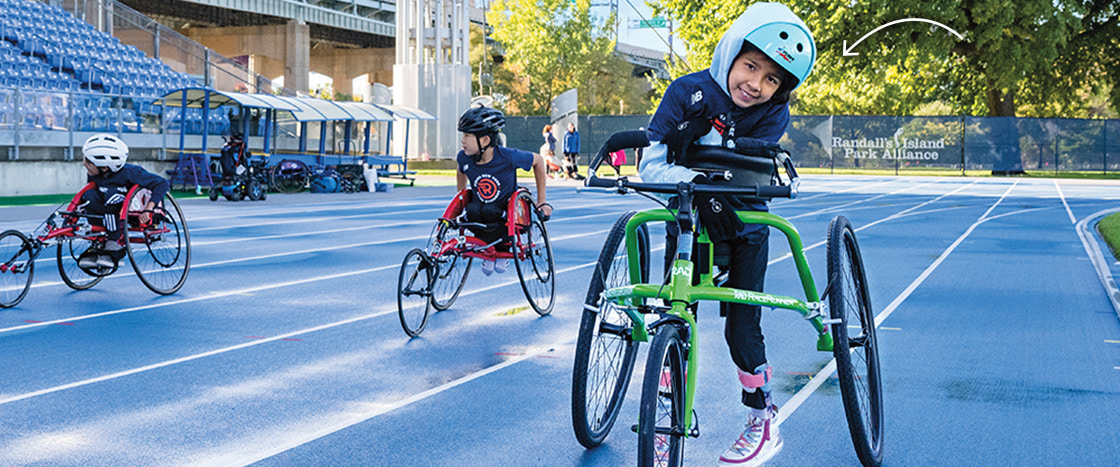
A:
(680, 291)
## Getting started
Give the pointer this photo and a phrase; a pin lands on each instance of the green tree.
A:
(552, 46)
(1033, 57)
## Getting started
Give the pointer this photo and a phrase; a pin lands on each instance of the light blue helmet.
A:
(777, 32)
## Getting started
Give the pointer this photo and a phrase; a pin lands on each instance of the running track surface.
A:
(998, 343)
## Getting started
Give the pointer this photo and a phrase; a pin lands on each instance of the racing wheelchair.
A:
(433, 277)
(159, 249)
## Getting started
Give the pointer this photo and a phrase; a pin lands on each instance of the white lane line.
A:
(253, 343)
(1072, 220)
(355, 418)
(251, 290)
(803, 394)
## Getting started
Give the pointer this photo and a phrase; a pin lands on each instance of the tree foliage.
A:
(551, 46)
(1023, 57)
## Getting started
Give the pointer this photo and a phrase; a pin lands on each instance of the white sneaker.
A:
(500, 265)
(759, 442)
(488, 267)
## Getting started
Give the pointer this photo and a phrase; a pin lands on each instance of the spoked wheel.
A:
(451, 270)
(532, 252)
(160, 252)
(290, 176)
(17, 267)
(855, 346)
(414, 291)
(67, 254)
(605, 353)
(661, 429)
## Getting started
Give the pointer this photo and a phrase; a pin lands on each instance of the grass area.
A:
(52, 200)
(1109, 227)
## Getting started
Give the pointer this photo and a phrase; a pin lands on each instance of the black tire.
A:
(160, 253)
(214, 191)
(532, 254)
(17, 267)
(290, 180)
(255, 190)
(605, 352)
(661, 430)
(451, 271)
(856, 347)
(414, 291)
(67, 254)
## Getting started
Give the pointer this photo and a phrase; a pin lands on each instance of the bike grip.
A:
(774, 191)
(596, 182)
(627, 140)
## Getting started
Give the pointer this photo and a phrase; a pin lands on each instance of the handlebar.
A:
(744, 146)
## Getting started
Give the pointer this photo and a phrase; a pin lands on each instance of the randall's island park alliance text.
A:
(890, 148)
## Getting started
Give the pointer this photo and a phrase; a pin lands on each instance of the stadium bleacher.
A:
(46, 53)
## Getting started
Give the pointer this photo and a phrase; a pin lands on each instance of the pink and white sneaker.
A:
(759, 442)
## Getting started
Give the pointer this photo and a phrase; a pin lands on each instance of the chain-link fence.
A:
(901, 144)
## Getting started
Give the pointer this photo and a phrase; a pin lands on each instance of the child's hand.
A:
(545, 209)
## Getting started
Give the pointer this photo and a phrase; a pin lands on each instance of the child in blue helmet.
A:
(764, 55)
(491, 171)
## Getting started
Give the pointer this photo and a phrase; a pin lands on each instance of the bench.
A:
(383, 163)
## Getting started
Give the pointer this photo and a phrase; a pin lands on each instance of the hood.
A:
(754, 19)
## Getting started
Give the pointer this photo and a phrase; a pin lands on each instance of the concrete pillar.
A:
(297, 58)
(274, 50)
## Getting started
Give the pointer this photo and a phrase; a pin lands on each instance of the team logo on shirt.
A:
(487, 188)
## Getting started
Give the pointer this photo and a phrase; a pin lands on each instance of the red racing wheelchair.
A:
(433, 277)
(159, 250)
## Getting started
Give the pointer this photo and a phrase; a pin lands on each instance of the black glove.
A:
(716, 214)
(679, 139)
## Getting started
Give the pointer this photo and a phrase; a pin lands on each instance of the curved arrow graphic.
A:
(848, 50)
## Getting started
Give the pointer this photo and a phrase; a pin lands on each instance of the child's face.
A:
(753, 79)
(470, 144)
(91, 169)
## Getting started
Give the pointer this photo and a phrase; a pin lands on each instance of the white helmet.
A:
(105, 150)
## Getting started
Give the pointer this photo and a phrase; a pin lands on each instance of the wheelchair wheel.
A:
(661, 430)
(254, 190)
(67, 254)
(450, 273)
(17, 268)
(160, 252)
(414, 291)
(532, 253)
(605, 353)
(855, 346)
(290, 176)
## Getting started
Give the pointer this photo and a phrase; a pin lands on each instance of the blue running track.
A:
(998, 343)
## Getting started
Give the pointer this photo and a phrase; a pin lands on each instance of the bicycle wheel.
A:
(414, 291)
(605, 353)
(451, 271)
(855, 346)
(532, 253)
(661, 430)
(160, 252)
(67, 255)
(17, 268)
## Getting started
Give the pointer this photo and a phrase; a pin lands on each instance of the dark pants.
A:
(94, 202)
(742, 328)
(493, 214)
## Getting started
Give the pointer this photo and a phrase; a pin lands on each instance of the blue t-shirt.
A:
(496, 180)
